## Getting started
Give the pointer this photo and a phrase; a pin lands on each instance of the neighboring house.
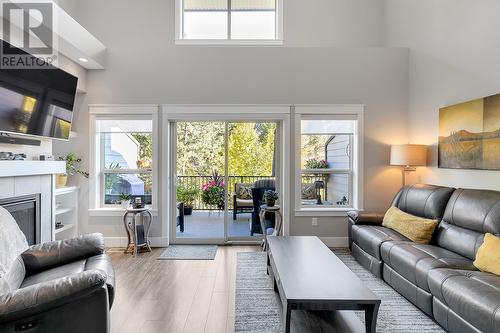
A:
(337, 156)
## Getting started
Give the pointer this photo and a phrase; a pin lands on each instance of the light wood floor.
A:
(175, 295)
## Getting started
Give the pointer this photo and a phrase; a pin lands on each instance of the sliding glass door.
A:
(218, 167)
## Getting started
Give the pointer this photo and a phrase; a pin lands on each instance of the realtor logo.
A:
(28, 34)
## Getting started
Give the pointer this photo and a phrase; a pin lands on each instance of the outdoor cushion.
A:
(414, 261)
(369, 238)
(243, 191)
(244, 202)
(473, 295)
(416, 228)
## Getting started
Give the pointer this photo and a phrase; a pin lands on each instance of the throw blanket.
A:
(12, 241)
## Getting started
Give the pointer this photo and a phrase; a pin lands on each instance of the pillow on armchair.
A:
(243, 191)
(12, 241)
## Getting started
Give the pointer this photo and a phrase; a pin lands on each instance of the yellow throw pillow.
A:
(488, 255)
(418, 229)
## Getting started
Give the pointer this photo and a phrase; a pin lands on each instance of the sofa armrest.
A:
(103, 263)
(48, 255)
(362, 218)
(38, 298)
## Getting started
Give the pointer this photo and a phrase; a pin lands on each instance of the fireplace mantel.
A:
(31, 168)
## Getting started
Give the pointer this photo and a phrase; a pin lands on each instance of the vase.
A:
(125, 203)
(270, 203)
(61, 180)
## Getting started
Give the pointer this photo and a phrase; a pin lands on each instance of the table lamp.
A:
(410, 156)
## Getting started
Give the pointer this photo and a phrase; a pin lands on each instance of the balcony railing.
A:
(198, 181)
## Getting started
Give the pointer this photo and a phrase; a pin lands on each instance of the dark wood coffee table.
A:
(309, 276)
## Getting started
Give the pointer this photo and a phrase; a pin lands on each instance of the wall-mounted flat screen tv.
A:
(37, 102)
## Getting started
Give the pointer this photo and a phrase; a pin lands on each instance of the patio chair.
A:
(242, 199)
(258, 190)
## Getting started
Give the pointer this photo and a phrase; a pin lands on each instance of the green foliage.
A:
(200, 148)
(145, 149)
(111, 178)
(187, 195)
(72, 162)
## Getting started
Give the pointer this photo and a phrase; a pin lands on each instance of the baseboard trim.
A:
(335, 241)
(122, 241)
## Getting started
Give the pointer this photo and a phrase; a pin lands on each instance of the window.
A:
(124, 152)
(229, 20)
(327, 162)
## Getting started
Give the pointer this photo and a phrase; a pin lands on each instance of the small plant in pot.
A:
(270, 197)
(72, 162)
(187, 195)
(125, 200)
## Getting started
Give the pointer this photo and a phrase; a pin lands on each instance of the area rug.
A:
(189, 252)
(258, 306)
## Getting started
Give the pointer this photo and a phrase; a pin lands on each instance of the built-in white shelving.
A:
(66, 212)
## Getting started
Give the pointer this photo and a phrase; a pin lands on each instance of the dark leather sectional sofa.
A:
(440, 277)
(59, 287)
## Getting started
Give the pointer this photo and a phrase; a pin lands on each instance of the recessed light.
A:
(83, 59)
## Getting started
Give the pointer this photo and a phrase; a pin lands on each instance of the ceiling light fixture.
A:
(83, 59)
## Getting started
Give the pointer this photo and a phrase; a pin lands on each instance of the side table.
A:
(276, 210)
(137, 233)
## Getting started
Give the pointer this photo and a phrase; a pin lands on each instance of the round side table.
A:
(276, 210)
(137, 233)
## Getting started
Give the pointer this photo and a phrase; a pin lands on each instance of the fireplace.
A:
(26, 212)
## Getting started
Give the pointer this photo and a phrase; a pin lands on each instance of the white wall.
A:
(454, 54)
(315, 66)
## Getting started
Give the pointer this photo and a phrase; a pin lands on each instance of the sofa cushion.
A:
(488, 255)
(244, 202)
(414, 261)
(469, 215)
(416, 228)
(473, 295)
(369, 238)
(55, 273)
(427, 201)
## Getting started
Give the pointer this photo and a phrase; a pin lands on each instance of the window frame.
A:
(97, 169)
(180, 40)
(331, 112)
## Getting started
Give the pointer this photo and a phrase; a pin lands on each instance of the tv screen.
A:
(37, 101)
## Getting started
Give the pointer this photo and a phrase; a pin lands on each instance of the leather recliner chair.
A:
(63, 286)
(439, 277)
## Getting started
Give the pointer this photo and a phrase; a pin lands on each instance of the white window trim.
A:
(179, 40)
(323, 111)
(102, 112)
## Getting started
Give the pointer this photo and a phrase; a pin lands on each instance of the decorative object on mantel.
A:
(410, 156)
(469, 135)
(125, 200)
(72, 161)
(9, 156)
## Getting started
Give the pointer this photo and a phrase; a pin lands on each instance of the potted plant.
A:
(72, 162)
(316, 164)
(270, 197)
(125, 200)
(187, 195)
(213, 192)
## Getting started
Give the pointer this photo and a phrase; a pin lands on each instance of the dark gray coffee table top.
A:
(309, 271)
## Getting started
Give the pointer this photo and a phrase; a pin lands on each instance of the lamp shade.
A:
(409, 155)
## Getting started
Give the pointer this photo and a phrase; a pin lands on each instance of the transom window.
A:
(229, 20)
